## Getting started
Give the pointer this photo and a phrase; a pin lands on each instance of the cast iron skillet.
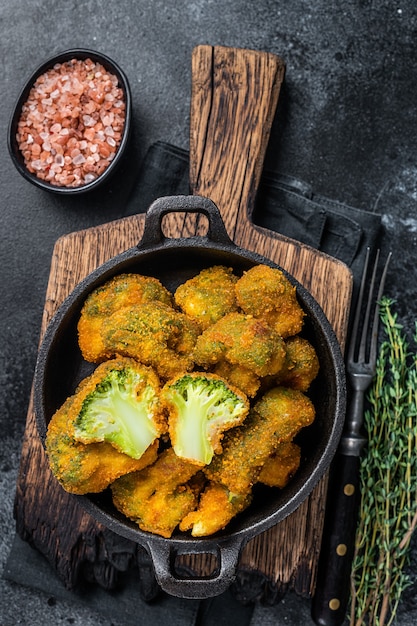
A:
(60, 367)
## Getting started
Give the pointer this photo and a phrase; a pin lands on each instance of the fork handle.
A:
(329, 605)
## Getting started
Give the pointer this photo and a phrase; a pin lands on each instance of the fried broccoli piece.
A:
(279, 468)
(154, 334)
(208, 296)
(122, 290)
(287, 410)
(160, 496)
(87, 468)
(267, 294)
(241, 340)
(216, 508)
(301, 366)
(81, 468)
(239, 376)
(120, 405)
(201, 408)
(276, 418)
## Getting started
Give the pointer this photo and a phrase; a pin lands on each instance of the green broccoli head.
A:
(122, 408)
(201, 408)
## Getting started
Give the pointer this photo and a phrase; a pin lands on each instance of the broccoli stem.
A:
(192, 432)
(138, 431)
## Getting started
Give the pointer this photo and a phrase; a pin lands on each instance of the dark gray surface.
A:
(345, 124)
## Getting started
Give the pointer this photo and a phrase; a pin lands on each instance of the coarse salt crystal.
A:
(88, 178)
(79, 159)
(88, 120)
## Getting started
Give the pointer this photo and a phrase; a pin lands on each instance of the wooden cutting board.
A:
(234, 97)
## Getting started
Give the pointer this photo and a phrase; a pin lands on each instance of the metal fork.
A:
(330, 601)
(361, 357)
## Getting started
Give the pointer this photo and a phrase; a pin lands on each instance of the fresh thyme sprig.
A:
(388, 513)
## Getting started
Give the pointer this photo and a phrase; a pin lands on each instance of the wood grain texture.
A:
(227, 83)
(233, 102)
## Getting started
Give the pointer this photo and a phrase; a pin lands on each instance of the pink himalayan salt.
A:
(72, 122)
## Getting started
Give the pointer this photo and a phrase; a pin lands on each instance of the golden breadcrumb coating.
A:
(160, 496)
(208, 296)
(216, 508)
(267, 294)
(301, 366)
(279, 468)
(120, 291)
(241, 340)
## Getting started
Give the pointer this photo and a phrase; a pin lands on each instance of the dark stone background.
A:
(345, 124)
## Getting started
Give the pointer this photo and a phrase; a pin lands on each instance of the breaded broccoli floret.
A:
(120, 291)
(154, 334)
(279, 468)
(241, 340)
(239, 376)
(91, 464)
(216, 508)
(301, 365)
(267, 294)
(158, 497)
(81, 468)
(209, 295)
(201, 408)
(121, 408)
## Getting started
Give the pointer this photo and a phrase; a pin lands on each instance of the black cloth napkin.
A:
(286, 205)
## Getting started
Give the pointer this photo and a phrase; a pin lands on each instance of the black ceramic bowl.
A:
(16, 154)
(60, 367)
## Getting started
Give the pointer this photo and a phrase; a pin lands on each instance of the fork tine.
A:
(365, 327)
(374, 339)
(355, 326)
(361, 357)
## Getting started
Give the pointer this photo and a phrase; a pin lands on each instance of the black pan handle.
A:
(153, 234)
(329, 606)
(197, 588)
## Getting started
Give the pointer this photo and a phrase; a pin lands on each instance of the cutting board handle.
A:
(233, 102)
